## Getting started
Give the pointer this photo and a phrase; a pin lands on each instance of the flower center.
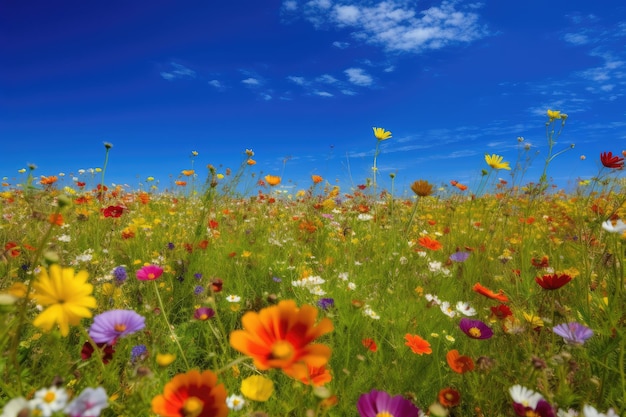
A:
(151, 275)
(532, 413)
(120, 327)
(474, 332)
(49, 397)
(192, 407)
(282, 350)
(204, 316)
(384, 414)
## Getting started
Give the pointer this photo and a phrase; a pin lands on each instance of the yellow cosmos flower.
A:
(495, 162)
(257, 388)
(66, 295)
(272, 180)
(188, 172)
(164, 359)
(381, 134)
(554, 114)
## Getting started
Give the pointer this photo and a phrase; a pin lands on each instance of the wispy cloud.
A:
(178, 71)
(251, 82)
(393, 24)
(359, 77)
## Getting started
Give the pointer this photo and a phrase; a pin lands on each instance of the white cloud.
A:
(323, 94)
(396, 26)
(290, 5)
(326, 79)
(296, 80)
(341, 45)
(348, 92)
(216, 84)
(576, 38)
(252, 82)
(358, 76)
(177, 72)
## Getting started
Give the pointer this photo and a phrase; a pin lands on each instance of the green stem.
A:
(169, 327)
(408, 226)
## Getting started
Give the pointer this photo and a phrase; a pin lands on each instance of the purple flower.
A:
(170, 246)
(198, 275)
(276, 279)
(475, 329)
(459, 256)
(120, 275)
(573, 333)
(138, 352)
(379, 403)
(325, 303)
(89, 403)
(198, 290)
(203, 313)
(110, 325)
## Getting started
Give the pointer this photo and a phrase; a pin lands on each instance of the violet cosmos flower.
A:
(379, 403)
(573, 333)
(203, 313)
(89, 403)
(149, 273)
(325, 303)
(475, 329)
(459, 256)
(111, 325)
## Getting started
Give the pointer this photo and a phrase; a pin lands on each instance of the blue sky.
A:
(302, 83)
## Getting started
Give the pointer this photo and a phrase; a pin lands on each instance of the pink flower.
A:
(149, 273)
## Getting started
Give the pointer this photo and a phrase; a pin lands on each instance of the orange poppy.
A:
(56, 218)
(280, 336)
(459, 363)
(449, 397)
(317, 179)
(417, 344)
(272, 180)
(48, 180)
(317, 376)
(192, 394)
(490, 294)
(429, 243)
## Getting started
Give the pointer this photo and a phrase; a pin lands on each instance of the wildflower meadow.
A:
(224, 295)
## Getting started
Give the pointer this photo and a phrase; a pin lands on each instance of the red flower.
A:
(429, 243)
(501, 312)
(544, 262)
(554, 281)
(610, 161)
(107, 353)
(370, 344)
(459, 363)
(449, 397)
(12, 249)
(113, 211)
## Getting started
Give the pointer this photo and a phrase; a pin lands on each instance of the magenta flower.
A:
(89, 403)
(379, 403)
(475, 329)
(203, 313)
(111, 325)
(573, 333)
(149, 273)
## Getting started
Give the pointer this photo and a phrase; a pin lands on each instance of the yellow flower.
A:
(533, 320)
(272, 180)
(381, 134)
(554, 114)
(257, 388)
(66, 295)
(188, 172)
(164, 359)
(495, 162)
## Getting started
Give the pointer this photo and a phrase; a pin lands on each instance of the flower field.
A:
(507, 300)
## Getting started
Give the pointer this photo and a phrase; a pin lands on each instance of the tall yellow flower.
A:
(66, 295)
(381, 134)
(495, 162)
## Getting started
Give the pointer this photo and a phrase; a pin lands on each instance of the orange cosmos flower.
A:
(490, 294)
(180, 183)
(188, 172)
(318, 376)
(48, 180)
(251, 162)
(459, 363)
(56, 218)
(317, 179)
(370, 344)
(417, 344)
(272, 180)
(429, 243)
(449, 397)
(280, 336)
(192, 394)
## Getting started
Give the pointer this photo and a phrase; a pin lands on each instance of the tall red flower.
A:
(113, 211)
(610, 161)
(554, 281)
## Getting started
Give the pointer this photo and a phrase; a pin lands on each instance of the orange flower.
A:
(56, 218)
(490, 294)
(180, 183)
(251, 162)
(317, 376)
(317, 179)
(429, 243)
(417, 344)
(188, 172)
(272, 180)
(280, 336)
(449, 397)
(48, 180)
(192, 394)
(459, 363)
(370, 344)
